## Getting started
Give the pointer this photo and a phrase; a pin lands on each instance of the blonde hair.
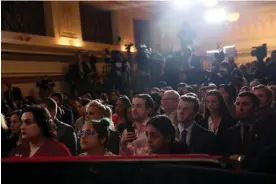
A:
(108, 114)
(96, 103)
(105, 110)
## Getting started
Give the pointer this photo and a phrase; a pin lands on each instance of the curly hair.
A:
(43, 120)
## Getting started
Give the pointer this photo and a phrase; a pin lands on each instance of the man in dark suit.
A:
(198, 139)
(13, 95)
(65, 133)
(250, 135)
(67, 114)
(157, 109)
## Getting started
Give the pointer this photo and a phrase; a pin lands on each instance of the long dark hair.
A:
(164, 125)
(231, 92)
(127, 104)
(223, 110)
(43, 120)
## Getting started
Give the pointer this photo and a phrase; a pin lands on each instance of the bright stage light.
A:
(215, 15)
(209, 3)
(180, 4)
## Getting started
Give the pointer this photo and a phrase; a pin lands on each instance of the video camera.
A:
(259, 52)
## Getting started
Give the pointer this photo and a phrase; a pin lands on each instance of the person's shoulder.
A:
(204, 131)
(80, 119)
(202, 122)
(200, 128)
(64, 125)
(59, 147)
(179, 148)
(19, 150)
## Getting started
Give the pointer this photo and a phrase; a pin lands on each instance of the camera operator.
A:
(260, 53)
(271, 67)
(196, 75)
(118, 75)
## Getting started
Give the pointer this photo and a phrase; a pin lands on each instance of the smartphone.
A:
(130, 129)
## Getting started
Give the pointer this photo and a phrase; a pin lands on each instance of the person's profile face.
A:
(263, 97)
(212, 103)
(185, 111)
(93, 113)
(244, 107)
(29, 128)
(155, 139)
(139, 110)
(15, 124)
(89, 138)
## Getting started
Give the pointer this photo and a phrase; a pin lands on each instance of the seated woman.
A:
(121, 118)
(15, 127)
(94, 138)
(217, 118)
(37, 133)
(96, 111)
(161, 137)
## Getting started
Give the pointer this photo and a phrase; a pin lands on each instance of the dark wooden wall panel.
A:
(30, 79)
(96, 24)
(23, 16)
(142, 32)
(36, 57)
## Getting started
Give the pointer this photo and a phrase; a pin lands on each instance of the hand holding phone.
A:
(128, 136)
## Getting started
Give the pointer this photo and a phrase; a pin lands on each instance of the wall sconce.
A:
(69, 42)
(233, 17)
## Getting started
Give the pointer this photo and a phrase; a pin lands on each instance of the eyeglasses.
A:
(86, 132)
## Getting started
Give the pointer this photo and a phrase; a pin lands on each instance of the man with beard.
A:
(134, 140)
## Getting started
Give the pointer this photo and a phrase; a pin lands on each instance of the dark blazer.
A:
(16, 94)
(67, 116)
(114, 142)
(202, 140)
(222, 129)
(66, 134)
(261, 136)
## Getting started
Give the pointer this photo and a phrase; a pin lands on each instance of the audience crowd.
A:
(232, 115)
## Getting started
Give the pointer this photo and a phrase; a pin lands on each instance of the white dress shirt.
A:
(211, 126)
(189, 131)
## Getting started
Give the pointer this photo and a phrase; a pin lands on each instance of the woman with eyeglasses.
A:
(15, 124)
(38, 133)
(94, 138)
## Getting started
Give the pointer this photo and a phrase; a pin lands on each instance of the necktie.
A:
(184, 136)
(246, 138)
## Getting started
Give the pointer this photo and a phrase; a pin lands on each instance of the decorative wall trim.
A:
(36, 57)
(29, 79)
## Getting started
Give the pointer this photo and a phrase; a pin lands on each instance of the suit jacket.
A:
(16, 94)
(66, 134)
(222, 129)
(202, 140)
(113, 144)
(67, 117)
(261, 136)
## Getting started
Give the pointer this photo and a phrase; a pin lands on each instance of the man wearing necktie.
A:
(198, 139)
(250, 135)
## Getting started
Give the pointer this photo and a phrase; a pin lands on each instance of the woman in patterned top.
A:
(94, 137)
